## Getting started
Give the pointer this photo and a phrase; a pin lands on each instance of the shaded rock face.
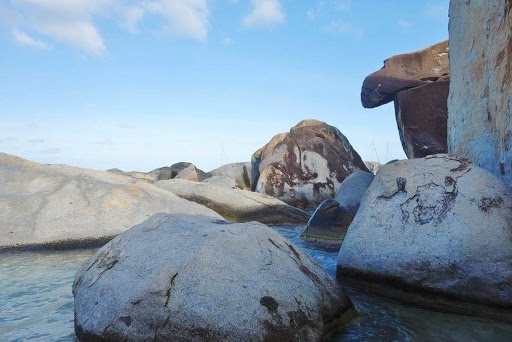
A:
(405, 71)
(58, 204)
(236, 205)
(329, 222)
(240, 173)
(194, 278)
(418, 83)
(438, 224)
(352, 190)
(480, 105)
(306, 165)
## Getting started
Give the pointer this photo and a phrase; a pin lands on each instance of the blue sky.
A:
(145, 83)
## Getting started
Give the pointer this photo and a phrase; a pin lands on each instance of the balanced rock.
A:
(418, 82)
(306, 165)
(329, 222)
(194, 278)
(405, 71)
(480, 106)
(239, 172)
(236, 205)
(437, 224)
(58, 204)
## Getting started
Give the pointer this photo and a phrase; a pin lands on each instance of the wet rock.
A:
(438, 225)
(480, 105)
(61, 205)
(194, 278)
(405, 71)
(236, 205)
(306, 165)
(329, 222)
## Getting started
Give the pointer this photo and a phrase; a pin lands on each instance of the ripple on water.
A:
(36, 302)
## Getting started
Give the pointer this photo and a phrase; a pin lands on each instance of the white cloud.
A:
(73, 21)
(265, 13)
(186, 18)
(404, 24)
(23, 39)
(339, 26)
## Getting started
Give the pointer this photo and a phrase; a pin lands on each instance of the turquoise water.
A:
(36, 303)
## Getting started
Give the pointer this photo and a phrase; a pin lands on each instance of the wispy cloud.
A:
(23, 39)
(264, 14)
(404, 24)
(227, 41)
(343, 27)
(73, 21)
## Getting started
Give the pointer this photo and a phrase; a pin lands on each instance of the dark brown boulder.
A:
(421, 116)
(405, 71)
(418, 83)
(306, 165)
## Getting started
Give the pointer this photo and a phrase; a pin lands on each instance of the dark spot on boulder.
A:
(269, 302)
(449, 181)
(401, 183)
(222, 222)
(464, 165)
(294, 251)
(273, 242)
(136, 302)
(487, 203)
(126, 320)
(310, 274)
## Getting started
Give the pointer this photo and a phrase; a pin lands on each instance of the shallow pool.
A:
(36, 303)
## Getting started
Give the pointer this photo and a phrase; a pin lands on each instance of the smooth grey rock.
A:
(329, 222)
(58, 204)
(239, 172)
(236, 205)
(191, 173)
(480, 105)
(135, 174)
(352, 190)
(437, 224)
(194, 278)
(221, 181)
(306, 165)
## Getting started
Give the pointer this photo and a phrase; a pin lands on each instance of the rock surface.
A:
(372, 166)
(422, 115)
(480, 105)
(418, 83)
(306, 165)
(405, 71)
(194, 278)
(236, 205)
(437, 224)
(329, 222)
(352, 190)
(58, 204)
(191, 173)
(239, 172)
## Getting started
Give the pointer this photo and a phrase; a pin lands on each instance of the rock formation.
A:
(236, 205)
(480, 102)
(194, 278)
(306, 165)
(418, 83)
(437, 224)
(58, 204)
(191, 173)
(240, 173)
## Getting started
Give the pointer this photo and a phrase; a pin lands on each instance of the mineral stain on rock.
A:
(269, 302)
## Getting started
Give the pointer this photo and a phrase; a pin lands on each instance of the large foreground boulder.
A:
(438, 224)
(236, 205)
(58, 204)
(194, 278)
(480, 105)
(418, 83)
(306, 165)
(240, 173)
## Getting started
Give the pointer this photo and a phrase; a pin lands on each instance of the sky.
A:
(141, 84)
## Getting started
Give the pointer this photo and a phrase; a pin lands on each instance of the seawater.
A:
(36, 303)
